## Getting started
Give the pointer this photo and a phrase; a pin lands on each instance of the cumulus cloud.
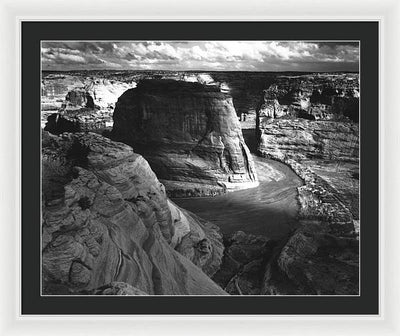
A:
(203, 55)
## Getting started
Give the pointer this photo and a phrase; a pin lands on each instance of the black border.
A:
(33, 32)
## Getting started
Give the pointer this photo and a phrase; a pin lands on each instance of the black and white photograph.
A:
(212, 168)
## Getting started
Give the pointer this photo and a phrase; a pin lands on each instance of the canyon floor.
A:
(269, 209)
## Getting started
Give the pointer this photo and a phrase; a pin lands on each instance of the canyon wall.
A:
(312, 127)
(190, 135)
(303, 140)
(313, 97)
(107, 220)
(76, 103)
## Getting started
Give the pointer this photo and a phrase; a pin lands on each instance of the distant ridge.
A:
(191, 71)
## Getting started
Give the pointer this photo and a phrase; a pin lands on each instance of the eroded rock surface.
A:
(86, 102)
(116, 288)
(303, 140)
(321, 257)
(314, 97)
(243, 265)
(317, 135)
(314, 261)
(106, 218)
(189, 133)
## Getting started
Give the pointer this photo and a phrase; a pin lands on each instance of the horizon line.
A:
(199, 70)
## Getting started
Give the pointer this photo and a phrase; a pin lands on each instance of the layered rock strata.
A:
(321, 257)
(190, 135)
(87, 103)
(312, 97)
(313, 130)
(303, 140)
(106, 218)
(79, 120)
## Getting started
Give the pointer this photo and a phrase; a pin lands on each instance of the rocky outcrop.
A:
(313, 97)
(243, 265)
(311, 126)
(106, 218)
(321, 257)
(79, 98)
(85, 101)
(189, 133)
(80, 90)
(314, 262)
(304, 118)
(77, 120)
(116, 288)
(303, 140)
(57, 123)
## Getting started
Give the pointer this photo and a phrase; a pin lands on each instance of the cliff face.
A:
(106, 219)
(59, 90)
(76, 103)
(312, 128)
(302, 140)
(314, 97)
(189, 133)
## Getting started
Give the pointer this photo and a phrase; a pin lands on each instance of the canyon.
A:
(190, 183)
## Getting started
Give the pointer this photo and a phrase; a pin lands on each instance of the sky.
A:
(201, 55)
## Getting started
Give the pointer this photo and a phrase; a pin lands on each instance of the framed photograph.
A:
(202, 169)
(189, 163)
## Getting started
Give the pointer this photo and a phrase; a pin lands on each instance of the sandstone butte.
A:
(109, 228)
(190, 135)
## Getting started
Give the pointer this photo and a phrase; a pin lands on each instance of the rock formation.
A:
(106, 218)
(243, 265)
(313, 261)
(189, 133)
(322, 255)
(312, 97)
(78, 120)
(73, 103)
(302, 140)
(108, 226)
(79, 98)
(76, 89)
(319, 257)
(115, 288)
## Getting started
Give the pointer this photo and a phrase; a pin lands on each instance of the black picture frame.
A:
(33, 32)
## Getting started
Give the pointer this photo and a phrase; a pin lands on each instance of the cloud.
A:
(202, 55)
